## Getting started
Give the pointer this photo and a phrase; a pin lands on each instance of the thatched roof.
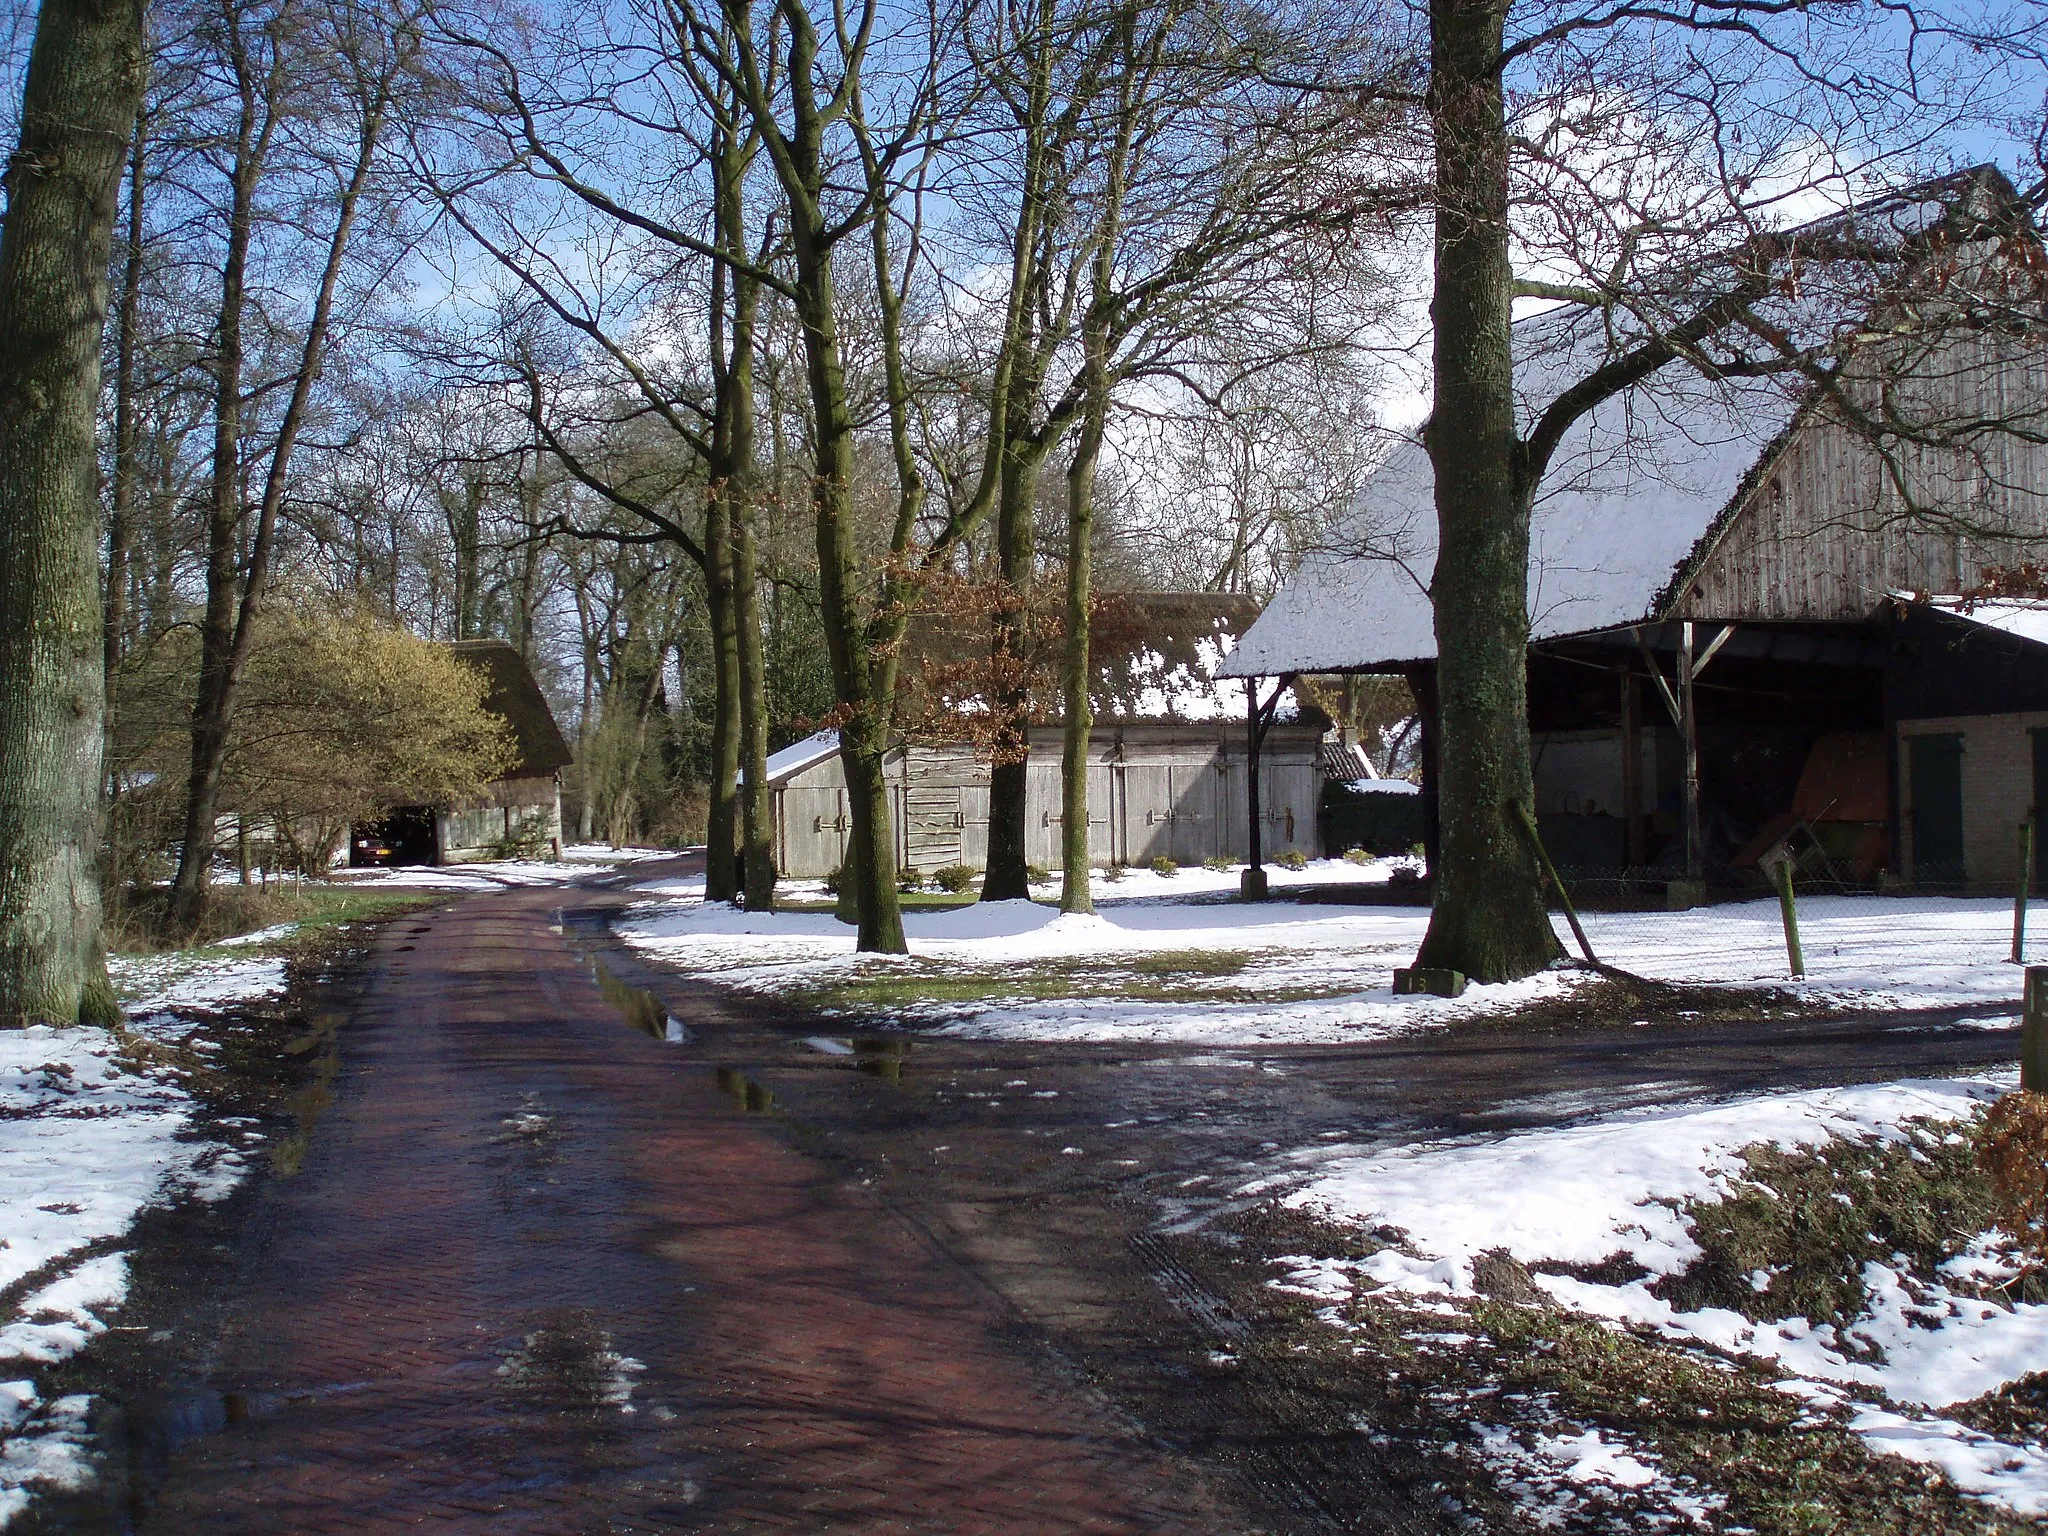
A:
(1154, 657)
(515, 697)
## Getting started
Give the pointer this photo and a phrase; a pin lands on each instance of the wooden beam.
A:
(1713, 649)
(1657, 677)
(1631, 771)
(1689, 729)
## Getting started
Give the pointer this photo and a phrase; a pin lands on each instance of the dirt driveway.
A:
(580, 1247)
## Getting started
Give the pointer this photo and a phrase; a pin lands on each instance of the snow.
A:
(1619, 1186)
(575, 864)
(1633, 487)
(799, 755)
(1580, 1194)
(2022, 618)
(1323, 972)
(1176, 691)
(95, 1127)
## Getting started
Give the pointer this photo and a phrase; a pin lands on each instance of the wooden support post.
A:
(2034, 1032)
(1631, 773)
(2022, 891)
(1528, 825)
(1422, 683)
(1788, 909)
(1252, 885)
(1689, 727)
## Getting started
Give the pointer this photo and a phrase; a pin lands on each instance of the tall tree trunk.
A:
(863, 674)
(1077, 711)
(1488, 920)
(1007, 877)
(721, 874)
(224, 516)
(757, 846)
(584, 824)
(82, 91)
(121, 511)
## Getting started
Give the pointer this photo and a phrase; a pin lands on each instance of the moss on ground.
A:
(1161, 976)
(1806, 1223)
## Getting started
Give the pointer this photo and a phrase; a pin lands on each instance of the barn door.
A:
(1937, 769)
(933, 822)
(1194, 812)
(1147, 812)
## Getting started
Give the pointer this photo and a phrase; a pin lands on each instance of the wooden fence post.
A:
(1788, 909)
(2034, 1033)
(2022, 892)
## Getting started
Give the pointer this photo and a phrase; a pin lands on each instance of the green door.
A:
(1937, 768)
(2040, 738)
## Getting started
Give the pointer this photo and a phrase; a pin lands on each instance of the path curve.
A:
(540, 1272)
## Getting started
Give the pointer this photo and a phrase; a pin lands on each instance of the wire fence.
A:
(1952, 945)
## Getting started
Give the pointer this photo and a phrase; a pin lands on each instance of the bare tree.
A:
(265, 63)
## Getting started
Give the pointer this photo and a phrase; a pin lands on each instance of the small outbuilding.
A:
(1168, 761)
(519, 815)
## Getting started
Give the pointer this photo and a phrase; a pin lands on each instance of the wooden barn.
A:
(1168, 762)
(1751, 632)
(518, 815)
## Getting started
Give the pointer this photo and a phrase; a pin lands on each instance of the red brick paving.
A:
(418, 1342)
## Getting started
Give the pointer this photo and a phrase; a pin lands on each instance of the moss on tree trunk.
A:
(82, 90)
(1488, 920)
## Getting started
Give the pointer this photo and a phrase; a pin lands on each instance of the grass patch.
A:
(910, 901)
(145, 959)
(1809, 1220)
(137, 924)
(1160, 976)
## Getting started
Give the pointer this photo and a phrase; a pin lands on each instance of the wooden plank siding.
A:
(1154, 791)
(1822, 532)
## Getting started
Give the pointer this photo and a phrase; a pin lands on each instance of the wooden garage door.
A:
(932, 826)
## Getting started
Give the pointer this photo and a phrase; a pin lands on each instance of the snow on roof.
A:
(799, 755)
(2023, 618)
(1630, 492)
(1636, 483)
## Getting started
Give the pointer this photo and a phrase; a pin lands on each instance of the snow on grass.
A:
(95, 1127)
(1316, 972)
(1870, 951)
(575, 864)
(1620, 1188)
(1308, 972)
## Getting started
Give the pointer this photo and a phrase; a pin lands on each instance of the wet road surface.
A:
(582, 1246)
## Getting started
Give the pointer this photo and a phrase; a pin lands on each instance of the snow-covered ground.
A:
(93, 1129)
(1312, 972)
(1580, 1195)
(578, 859)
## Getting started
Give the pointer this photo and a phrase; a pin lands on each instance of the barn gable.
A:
(1820, 530)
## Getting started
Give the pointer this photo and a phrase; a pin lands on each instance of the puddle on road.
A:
(568, 1362)
(744, 1091)
(640, 1008)
(187, 1414)
(288, 1153)
(880, 1056)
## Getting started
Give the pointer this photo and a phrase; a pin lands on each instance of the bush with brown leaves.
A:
(2012, 1149)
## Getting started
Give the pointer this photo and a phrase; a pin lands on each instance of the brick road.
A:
(539, 1272)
